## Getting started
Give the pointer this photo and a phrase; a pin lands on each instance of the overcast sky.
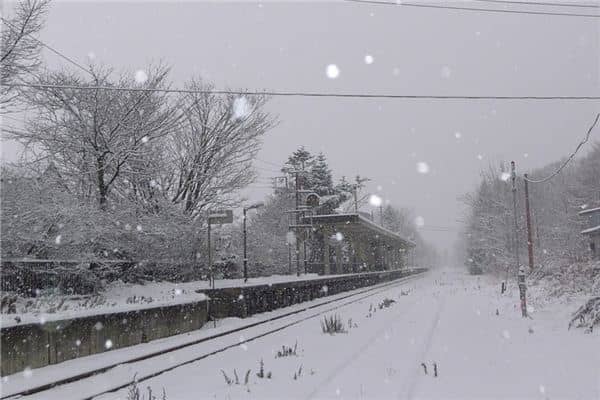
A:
(288, 45)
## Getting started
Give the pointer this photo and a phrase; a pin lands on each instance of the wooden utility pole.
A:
(529, 230)
(513, 176)
(297, 232)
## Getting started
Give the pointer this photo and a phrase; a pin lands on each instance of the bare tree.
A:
(210, 158)
(20, 50)
(97, 139)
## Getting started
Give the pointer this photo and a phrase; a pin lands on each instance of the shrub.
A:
(332, 324)
(386, 303)
(287, 351)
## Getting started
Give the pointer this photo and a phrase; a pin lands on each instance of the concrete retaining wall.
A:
(248, 300)
(38, 345)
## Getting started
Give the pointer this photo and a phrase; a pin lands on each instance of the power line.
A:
(269, 162)
(584, 141)
(58, 53)
(308, 94)
(534, 3)
(461, 8)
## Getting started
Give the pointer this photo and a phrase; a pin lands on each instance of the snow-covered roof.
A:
(589, 211)
(357, 219)
(591, 230)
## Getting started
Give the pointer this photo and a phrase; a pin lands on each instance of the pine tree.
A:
(321, 178)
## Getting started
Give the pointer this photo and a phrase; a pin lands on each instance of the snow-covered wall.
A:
(41, 344)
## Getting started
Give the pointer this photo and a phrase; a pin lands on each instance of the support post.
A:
(211, 281)
(522, 291)
(245, 250)
(529, 230)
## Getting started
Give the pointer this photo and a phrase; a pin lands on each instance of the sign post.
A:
(216, 217)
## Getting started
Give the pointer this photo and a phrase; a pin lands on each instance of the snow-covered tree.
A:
(210, 156)
(97, 139)
(19, 48)
(321, 179)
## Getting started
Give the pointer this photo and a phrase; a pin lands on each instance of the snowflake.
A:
(457, 135)
(91, 55)
(241, 108)
(58, 239)
(339, 236)
(290, 238)
(369, 59)
(479, 157)
(420, 221)
(542, 389)
(27, 372)
(141, 76)
(98, 326)
(145, 139)
(422, 167)
(375, 200)
(332, 71)
(505, 176)
(108, 344)
(138, 228)
(506, 334)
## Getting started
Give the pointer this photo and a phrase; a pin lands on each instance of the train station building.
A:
(350, 243)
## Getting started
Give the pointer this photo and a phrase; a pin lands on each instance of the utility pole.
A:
(529, 230)
(211, 279)
(253, 206)
(513, 177)
(297, 184)
(520, 270)
(245, 250)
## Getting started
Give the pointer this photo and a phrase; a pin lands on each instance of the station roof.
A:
(356, 223)
(589, 211)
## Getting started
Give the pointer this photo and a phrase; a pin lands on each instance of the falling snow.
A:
(422, 167)
(375, 200)
(140, 76)
(332, 71)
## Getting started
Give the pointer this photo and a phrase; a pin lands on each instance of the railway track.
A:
(318, 310)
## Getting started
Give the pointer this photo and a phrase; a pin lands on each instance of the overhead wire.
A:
(564, 164)
(540, 3)
(52, 49)
(312, 94)
(475, 9)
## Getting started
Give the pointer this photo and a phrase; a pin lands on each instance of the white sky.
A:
(288, 45)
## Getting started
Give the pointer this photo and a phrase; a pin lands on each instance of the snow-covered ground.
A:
(482, 347)
(120, 297)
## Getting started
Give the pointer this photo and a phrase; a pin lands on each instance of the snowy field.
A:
(481, 346)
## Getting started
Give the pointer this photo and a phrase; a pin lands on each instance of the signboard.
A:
(312, 200)
(220, 217)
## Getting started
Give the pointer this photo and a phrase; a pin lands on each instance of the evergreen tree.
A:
(320, 176)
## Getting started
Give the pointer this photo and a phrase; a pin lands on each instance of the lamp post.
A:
(255, 205)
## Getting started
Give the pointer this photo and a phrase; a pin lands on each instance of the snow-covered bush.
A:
(587, 315)
(287, 351)
(333, 324)
(134, 393)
